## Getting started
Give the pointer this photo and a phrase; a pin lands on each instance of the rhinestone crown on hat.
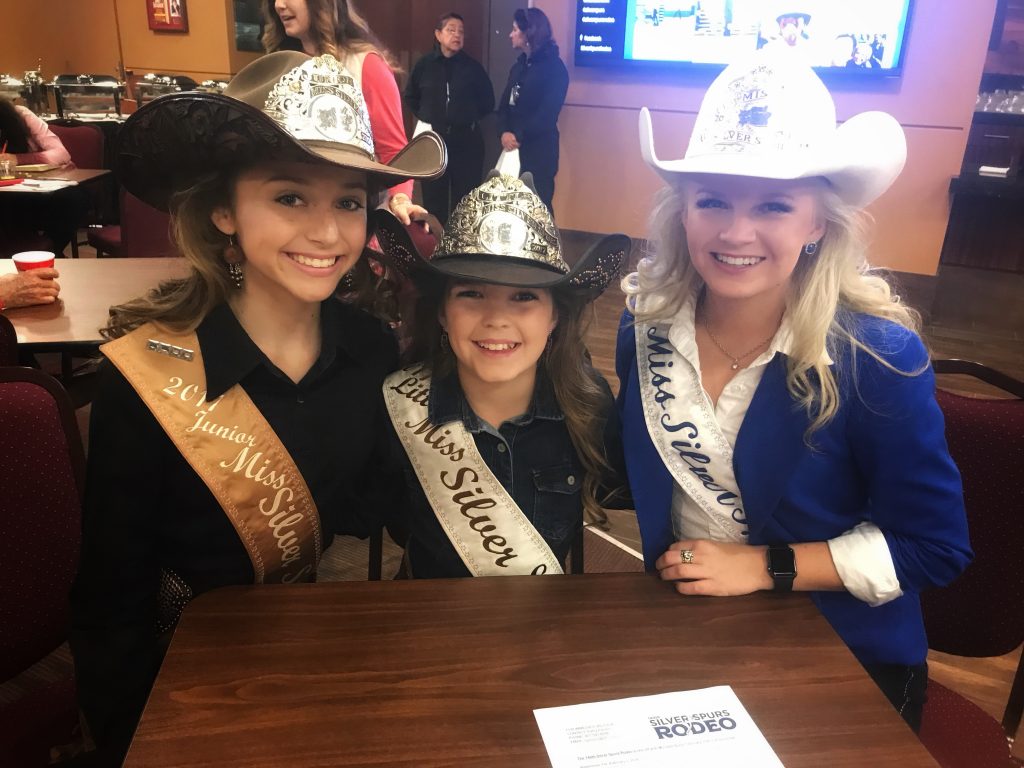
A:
(773, 106)
(321, 101)
(503, 217)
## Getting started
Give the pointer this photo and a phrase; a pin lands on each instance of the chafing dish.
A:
(87, 94)
(34, 92)
(10, 87)
(212, 86)
(153, 85)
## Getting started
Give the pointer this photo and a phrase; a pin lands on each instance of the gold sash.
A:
(231, 447)
(481, 519)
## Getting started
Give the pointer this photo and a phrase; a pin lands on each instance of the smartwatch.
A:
(781, 566)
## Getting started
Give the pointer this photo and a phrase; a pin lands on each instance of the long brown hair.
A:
(336, 26)
(13, 133)
(572, 377)
(180, 305)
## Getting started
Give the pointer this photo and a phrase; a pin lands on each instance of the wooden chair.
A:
(982, 612)
(40, 498)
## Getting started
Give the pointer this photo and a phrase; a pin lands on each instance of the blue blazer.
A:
(882, 458)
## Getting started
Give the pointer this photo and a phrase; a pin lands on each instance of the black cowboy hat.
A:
(502, 233)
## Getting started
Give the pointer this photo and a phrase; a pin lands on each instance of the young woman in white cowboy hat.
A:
(778, 413)
(230, 437)
(507, 434)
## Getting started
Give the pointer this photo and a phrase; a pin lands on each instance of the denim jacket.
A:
(531, 455)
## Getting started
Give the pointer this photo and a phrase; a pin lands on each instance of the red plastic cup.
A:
(27, 260)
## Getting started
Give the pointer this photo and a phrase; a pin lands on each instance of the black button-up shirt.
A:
(147, 512)
(533, 458)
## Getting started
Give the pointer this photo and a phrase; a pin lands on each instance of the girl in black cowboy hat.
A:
(507, 433)
(230, 437)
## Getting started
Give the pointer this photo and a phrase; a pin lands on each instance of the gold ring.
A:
(685, 556)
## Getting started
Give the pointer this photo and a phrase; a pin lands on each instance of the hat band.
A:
(336, 146)
(519, 261)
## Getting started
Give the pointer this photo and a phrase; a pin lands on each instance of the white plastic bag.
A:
(508, 163)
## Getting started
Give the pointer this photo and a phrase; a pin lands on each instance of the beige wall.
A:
(603, 184)
(53, 32)
(82, 36)
(201, 53)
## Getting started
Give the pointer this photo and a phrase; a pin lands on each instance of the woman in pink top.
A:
(26, 139)
(336, 27)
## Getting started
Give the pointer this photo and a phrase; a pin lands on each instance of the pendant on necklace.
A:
(735, 365)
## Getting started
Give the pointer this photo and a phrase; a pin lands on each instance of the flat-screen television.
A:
(858, 37)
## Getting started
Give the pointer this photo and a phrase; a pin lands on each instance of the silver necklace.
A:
(735, 358)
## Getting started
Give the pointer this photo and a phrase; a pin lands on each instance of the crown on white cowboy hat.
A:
(770, 116)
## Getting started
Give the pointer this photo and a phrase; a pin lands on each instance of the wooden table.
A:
(78, 175)
(88, 288)
(448, 672)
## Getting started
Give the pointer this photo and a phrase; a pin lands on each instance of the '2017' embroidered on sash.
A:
(280, 520)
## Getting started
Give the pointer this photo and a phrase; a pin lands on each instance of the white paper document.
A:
(39, 185)
(708, 727)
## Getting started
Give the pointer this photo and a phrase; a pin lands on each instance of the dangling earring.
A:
(811, 248)
(547, 344)
(446, 346)
(232, 255)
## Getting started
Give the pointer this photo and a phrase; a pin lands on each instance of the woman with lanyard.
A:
(779, 419)
(533, 97)
(450, 92)
(508, 436)
(230, 436)
(335, 27)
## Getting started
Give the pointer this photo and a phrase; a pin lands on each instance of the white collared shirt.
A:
(861, 555)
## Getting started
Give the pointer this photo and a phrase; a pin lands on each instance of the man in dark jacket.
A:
(533, 97)
(451, 92)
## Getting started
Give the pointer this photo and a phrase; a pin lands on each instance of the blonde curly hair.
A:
(824, 290)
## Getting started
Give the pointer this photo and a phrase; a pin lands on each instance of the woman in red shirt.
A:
(336, 27)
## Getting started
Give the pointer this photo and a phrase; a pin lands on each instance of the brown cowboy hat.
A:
(284, 106)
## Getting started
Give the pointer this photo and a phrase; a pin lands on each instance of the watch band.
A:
(782, 566)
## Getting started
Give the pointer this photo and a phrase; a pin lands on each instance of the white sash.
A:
(486, 527)
(685, 431)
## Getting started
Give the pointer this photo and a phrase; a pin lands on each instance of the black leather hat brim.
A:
(592, 274)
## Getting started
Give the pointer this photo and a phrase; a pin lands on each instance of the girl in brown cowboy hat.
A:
(230, 435)
(506, 432)
(778, 406)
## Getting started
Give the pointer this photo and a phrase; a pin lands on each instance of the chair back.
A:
(83, 142)
(40, 515)
(145, 231)
(8, 343)
(980, 613)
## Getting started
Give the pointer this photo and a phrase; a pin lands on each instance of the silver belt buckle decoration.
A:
(164, 348)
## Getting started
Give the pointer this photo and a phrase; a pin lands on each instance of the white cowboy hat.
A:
(770, 116)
